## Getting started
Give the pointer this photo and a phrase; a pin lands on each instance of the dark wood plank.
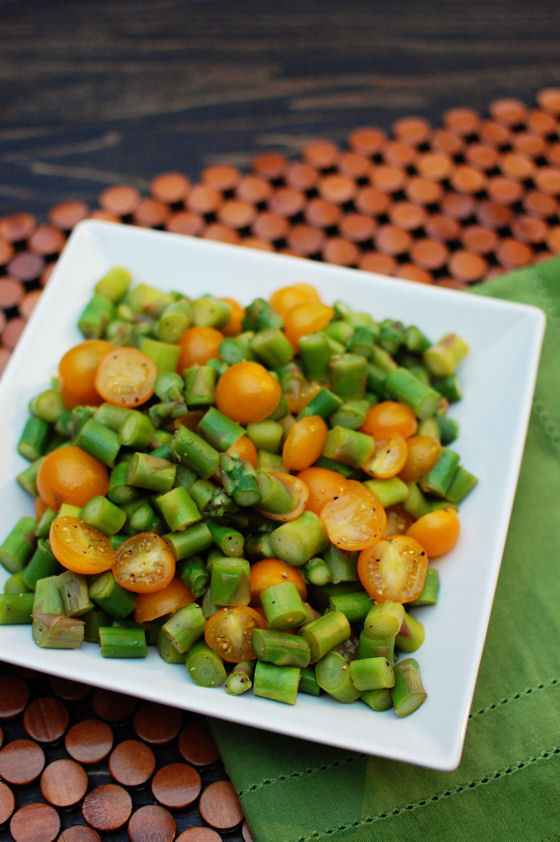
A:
(108, 91)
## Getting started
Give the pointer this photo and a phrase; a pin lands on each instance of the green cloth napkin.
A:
(507, 786)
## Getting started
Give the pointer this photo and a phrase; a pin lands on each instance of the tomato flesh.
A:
(144, 563)
(388, 457)
(125, 377)
(80, 547)
(355, 520)
(324, 485)
(298, 492)
(150, 606)
(228, 632)
(394, 569)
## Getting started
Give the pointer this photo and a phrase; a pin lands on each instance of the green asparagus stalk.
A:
(408, 692)
(54, 631)
(239, 679)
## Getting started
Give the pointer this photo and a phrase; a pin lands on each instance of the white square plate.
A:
(498, 378)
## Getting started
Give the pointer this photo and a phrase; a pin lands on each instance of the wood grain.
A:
(114, 91)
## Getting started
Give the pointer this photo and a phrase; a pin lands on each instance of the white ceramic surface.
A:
(498, 378)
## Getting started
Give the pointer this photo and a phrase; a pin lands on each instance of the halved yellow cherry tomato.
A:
(355, 520)
(272, 571)
(437, 531)
(70, 475)
(323, 485)
(144, 563)
(389, 417)
(304, 443)
(228, 632)
(388, 457)
(80, 547)
(394, 569)
(150, 606)
(125, 377)
(76, 372)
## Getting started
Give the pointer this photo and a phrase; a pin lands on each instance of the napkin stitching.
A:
(437, 796)
(351, 758)
(516, 696)
(311, 770)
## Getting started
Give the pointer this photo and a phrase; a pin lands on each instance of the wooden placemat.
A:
(452, 206)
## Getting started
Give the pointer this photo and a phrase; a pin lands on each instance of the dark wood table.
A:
(113, 92)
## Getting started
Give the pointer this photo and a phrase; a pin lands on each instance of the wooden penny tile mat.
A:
(79, 764)
(450, 205)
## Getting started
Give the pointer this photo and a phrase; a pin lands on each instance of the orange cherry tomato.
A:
(355, 520)
(245, 449)
(272, 571)
(285, 298)
(298, 491)
(80, 547)
(76, 372)
(199, 344)
(298, 394)
(304, 443)
(70, 475)
(423, 453)
(233, 326)
(125, 377)
(394, 569)
(144, 563)
(388, 457)
(389, 417)
(324, 485)
(247, 392)
(437, 531)
(306, 318)
(228, 632)
(150, 606)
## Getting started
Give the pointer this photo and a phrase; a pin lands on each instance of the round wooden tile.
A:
(14, 694)
(64, 783)
(151, 823)
(107, 807)
(46, 719)
(220, 807)
(7, 803)
(132, 763)
(79, 833)
(196, 744)
(176, 785)
(21, 761)
(89, 741)
(35, 823)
